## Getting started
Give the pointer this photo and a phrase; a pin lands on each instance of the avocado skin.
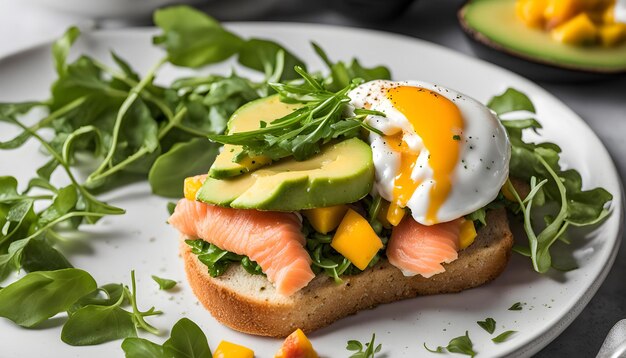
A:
(533, 67)
(348, 178)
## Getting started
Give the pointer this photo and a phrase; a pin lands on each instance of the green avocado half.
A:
(343, 172)
(494, 23)
(248, 118)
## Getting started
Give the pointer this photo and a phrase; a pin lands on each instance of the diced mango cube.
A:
(191, 186)
(579, 30)
(531, 11)
(231, 350)
(325, 220)
(296, 345)
(356, 240)
(613, 34)
(558, 12)
(395, 214)
(467, 234)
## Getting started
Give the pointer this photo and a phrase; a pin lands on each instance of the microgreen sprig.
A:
(302, 133)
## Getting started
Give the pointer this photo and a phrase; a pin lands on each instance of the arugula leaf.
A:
(61, 48)
(39, 255)
(183, 160)
(171, 207)
(538, 164)
(192, 38)
(95, 324)
(218, 260)
(461, 344)
(187, 340)
(142, 348)
(42, 294)
(370, 348)
(105, 295)
(301, 133)
(503, 336)
(342, 74)
(517, 306)
(164, 283)
(511, 100)
(261, 55)
(489, 325)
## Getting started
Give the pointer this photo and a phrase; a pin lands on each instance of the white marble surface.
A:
(601, 104)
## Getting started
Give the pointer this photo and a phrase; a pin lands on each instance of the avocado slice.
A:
(248, 117)
(341, 173)
(494, 24)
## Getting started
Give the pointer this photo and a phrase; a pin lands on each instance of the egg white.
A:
(483, 165)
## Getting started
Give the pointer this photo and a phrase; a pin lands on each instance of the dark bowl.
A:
(534, 68)
(371, 10)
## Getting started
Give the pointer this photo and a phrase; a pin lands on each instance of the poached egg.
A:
(443, 154)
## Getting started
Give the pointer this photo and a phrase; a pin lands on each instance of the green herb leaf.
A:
(183, 160)
(510, 101)
(439, 349)
(41, 295)
(218, 260)
(517, 306)
(503, 336)
(61, 48)
(192, 38)
(164, 283)
(171, 207)
(142, 348)
(342, 74)
(105, 295)
(187, 341)
(461, 344)
(370, 348)
(261, 55)
(92, 325)
(489, 325)
(301, 133)
(354, 345)
(538, 164)
(39, 255)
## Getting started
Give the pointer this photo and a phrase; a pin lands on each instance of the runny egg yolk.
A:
(438, 122)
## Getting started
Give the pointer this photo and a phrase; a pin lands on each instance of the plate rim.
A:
(552, 331)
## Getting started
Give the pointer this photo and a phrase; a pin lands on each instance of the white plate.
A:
(142, 241)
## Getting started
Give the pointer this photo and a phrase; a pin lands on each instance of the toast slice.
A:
(250, 304)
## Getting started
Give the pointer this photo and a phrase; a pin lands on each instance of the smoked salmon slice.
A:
(419, 249)
(273, 239)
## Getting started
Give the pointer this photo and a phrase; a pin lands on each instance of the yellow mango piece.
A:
(608, 16)
(191, 186)
(531, 12)
(558, 12)
(395, 214)
(325, 220)
(613, 34)
(507, 193)
(296, 345)
(231, 350)
(467, 235)
(356, 240)
(577, 31)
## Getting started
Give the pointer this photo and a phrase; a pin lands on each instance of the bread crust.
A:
(250, 304)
